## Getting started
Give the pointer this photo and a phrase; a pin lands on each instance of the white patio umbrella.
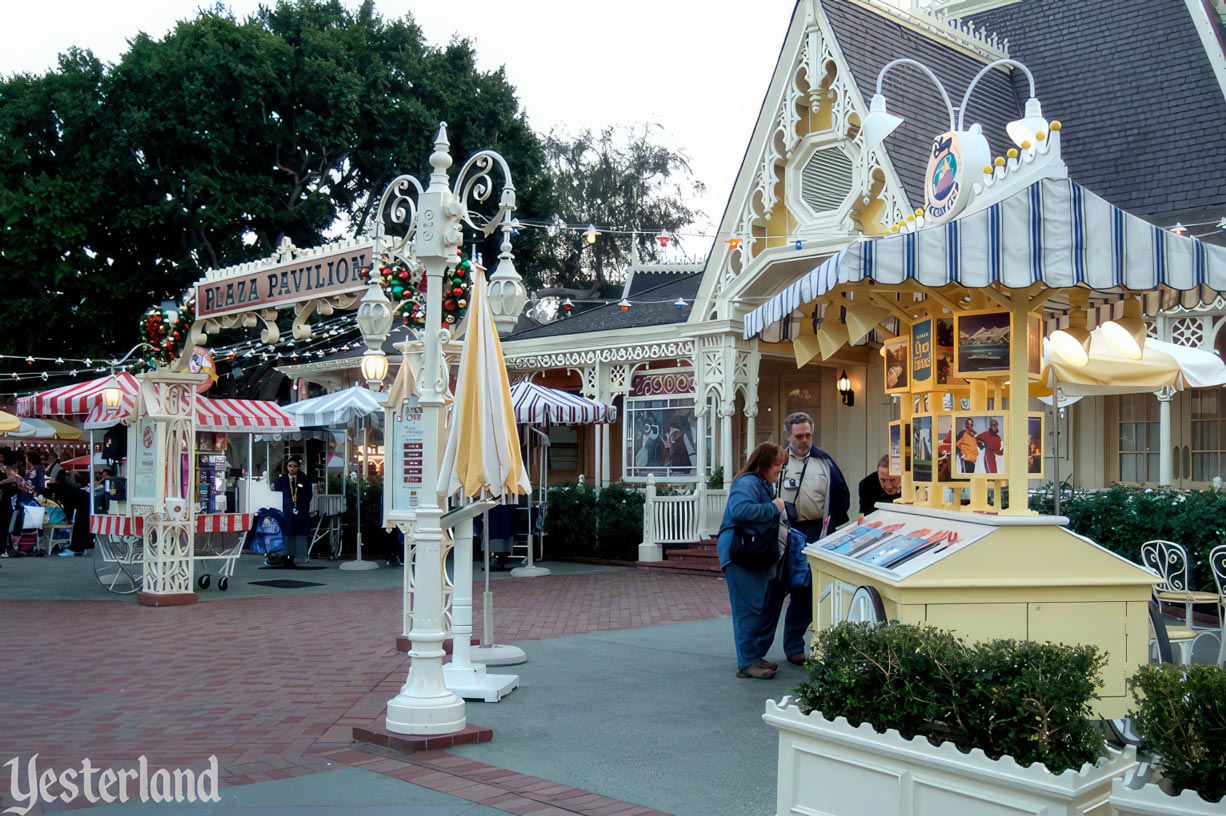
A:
(1162, 365)
(356, 405)
(481, 458)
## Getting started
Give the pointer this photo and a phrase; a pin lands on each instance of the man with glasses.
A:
(817, 500)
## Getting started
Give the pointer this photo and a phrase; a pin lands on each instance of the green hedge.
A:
(1122, 518)
(1181, 712)
(581, 525)
(1022, 699)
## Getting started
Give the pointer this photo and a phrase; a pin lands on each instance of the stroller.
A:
(26, 526)
(266, 536)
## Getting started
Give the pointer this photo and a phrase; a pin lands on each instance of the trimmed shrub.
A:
(570, 524)
(619, 522)
(1022, 699)
(1181, 712)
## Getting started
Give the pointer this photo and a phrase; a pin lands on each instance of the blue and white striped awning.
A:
(1054, 232)
(540, 405)
(338, 410)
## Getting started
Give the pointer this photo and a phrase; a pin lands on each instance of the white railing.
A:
(670, 520)
(713, 503)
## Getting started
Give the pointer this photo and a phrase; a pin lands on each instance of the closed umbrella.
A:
(482, 456)
(482, 452)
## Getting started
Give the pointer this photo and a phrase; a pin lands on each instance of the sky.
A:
(697, 68)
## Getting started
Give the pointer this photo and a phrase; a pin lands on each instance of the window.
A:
(563, 448)
(1138, 438)
(660, 426)
(1208, 433)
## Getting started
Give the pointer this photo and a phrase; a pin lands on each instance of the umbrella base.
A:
(529, 572)
(473, 683)
(360, 565)
(496, 655)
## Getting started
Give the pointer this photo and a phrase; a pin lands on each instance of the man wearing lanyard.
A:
(813, 489)
(295, 490)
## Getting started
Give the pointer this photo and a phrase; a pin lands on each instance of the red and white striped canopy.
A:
(222, 415)
(73, 400)
(538, 404)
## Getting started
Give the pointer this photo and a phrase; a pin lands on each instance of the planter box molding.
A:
(831, 768)
(1137, 795)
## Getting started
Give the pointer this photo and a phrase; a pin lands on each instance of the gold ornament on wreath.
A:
(164, 337)
(405, 286)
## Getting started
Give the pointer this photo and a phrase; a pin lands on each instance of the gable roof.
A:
(870, 39)
(1144, 114)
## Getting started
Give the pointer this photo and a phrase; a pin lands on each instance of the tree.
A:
(121, 185)
(619, 180)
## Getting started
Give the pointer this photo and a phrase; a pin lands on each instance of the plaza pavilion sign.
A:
(309, 276)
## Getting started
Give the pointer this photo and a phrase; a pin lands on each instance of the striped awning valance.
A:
(1054, 232)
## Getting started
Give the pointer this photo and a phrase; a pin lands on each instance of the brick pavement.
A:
(273, 685)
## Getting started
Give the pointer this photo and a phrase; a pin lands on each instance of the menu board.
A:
(405, 469)
(142, 480)
(902, 544)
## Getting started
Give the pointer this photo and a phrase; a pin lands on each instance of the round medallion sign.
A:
(943, 191)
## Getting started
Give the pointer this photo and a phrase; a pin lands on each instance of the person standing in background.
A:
(879, 486)
(818, 500)
(295, 490)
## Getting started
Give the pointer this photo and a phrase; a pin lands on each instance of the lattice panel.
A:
(1188, 331)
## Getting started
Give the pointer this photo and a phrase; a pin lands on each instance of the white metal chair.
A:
(1217, 565)
(1170, 561)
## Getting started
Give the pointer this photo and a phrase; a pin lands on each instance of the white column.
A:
(649, 550)
(1165, 469)
(169, 400)
(462, 675)
(725, 440)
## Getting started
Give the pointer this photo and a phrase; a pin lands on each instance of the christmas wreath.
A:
(405, 287)
(163, 337)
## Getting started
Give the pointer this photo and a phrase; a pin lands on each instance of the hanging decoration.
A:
(164, 333)
(405, 287)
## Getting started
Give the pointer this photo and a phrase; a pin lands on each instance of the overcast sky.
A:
(698, 68)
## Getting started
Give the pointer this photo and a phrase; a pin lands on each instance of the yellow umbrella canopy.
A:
(63, 430)
(8, 422)
(482, 450)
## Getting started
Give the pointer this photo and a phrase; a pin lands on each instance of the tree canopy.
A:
(120, 185)
(620, 179)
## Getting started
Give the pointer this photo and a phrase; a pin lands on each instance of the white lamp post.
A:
(431, 219)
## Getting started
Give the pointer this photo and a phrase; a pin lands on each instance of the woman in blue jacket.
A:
(756, 600)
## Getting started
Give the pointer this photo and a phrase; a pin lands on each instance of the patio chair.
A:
(1217, 565)
(1170, 562)
(1166, 639)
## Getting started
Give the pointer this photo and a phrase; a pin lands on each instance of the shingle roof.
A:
(869, 39)
(656, 308)
(1132, 82)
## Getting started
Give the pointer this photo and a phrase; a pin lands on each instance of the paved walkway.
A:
(272, 686)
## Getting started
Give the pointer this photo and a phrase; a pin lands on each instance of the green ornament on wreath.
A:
(163, 337)
(405, 287)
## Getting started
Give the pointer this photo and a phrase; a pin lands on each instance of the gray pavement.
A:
(654, 716)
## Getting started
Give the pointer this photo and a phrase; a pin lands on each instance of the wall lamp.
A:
(845, 393)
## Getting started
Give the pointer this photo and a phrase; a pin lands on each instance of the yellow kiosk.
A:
(1004, 253)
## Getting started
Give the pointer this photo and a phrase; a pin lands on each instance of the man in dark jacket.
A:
(818, 500)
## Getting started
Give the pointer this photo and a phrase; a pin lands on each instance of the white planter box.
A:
(829, 768)
(1136, 796)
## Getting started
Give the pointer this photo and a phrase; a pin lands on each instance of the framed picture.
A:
(922, 378)
(897, 365)
(980, 448)
(906, 447)
(1034, 444)
(922, 448)
(943, 353)
(944, 444)
(1034, 343)
(982, 343)
(895, 467)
